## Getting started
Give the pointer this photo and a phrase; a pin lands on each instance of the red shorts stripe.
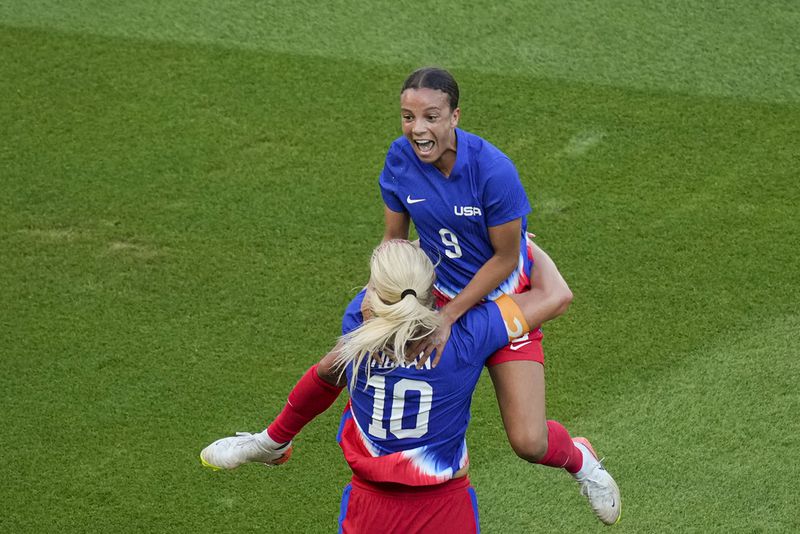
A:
(369, 508)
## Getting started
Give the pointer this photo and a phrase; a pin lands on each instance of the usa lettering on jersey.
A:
(467, 211)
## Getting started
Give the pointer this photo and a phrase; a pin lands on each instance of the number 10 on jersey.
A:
(377, 426)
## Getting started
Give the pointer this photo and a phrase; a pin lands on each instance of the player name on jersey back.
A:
(385, 362)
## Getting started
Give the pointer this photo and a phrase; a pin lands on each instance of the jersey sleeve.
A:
(489, 327)
(353, 318)
(503, 196)
(389, 184)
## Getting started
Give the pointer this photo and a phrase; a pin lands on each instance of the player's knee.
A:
(529, 444)
(327, 372)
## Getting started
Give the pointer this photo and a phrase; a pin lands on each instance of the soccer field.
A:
(190, 198)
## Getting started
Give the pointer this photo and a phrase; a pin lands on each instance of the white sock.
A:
(588, 464)
(269, 443)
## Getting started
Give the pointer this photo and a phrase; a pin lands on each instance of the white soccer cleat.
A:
(244, 447)
(597, 485)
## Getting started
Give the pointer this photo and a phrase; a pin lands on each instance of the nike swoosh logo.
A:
(519, 345)
(414, 200)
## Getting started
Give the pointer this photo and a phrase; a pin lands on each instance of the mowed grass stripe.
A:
(182, 226)
(737, 49)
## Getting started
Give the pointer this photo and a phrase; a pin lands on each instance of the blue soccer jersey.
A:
(453, 214)
(406, 425)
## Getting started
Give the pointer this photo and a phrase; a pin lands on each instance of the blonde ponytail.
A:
(401, 303)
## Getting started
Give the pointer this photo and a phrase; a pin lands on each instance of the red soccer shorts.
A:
(527, 347)
(370, 508)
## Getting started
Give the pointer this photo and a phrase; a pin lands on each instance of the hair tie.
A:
(407, 292)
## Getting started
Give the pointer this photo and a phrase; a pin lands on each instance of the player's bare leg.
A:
(520, 390)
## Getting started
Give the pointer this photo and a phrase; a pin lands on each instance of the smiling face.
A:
(429, 125)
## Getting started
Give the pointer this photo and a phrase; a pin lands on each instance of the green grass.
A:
(190, 197)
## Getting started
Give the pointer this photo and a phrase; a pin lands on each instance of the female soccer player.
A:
(469, 208)
(403, 433)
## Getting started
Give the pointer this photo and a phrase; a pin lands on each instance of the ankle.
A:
(266, 442)
(587, 464)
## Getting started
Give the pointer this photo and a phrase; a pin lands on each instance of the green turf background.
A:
(189, 199)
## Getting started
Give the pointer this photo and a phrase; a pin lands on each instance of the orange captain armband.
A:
(515, 322)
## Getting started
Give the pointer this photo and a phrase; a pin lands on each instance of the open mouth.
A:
(424, 147)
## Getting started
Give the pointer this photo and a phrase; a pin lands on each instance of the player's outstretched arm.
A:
(314, 393)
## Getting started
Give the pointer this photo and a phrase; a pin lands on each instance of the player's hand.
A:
(431, 345)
